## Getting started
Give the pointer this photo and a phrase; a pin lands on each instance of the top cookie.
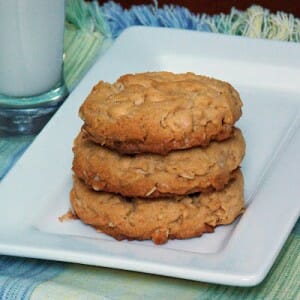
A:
(158, 112)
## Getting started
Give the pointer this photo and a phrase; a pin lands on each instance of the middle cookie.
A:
(150, 175)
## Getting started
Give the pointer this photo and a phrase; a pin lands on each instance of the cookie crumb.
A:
(69, 215)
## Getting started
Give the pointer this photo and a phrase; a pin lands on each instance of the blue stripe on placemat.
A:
(19, 276)
(172, 16)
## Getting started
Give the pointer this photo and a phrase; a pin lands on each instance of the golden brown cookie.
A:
(162, 219)
(151, 175)
(158, 112)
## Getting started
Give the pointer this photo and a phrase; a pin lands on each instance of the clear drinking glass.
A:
(31, 63)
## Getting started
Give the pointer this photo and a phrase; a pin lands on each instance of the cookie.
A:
(158, 112)
(151, 175)
(162, 219)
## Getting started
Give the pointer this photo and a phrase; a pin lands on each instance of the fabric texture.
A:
(19, 276)
(89, 30)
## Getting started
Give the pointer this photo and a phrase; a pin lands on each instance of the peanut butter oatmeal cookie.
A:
(161, 219)
(151, 175)
(158, 112)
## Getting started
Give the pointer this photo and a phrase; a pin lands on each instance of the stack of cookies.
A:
(158, 157)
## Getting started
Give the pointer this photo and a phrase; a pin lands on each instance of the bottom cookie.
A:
(158, 219)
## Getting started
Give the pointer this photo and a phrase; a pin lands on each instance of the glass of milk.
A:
(31, 63)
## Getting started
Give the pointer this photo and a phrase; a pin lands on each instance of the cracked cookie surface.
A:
(158, 112)
(162, 219)
(151, 175)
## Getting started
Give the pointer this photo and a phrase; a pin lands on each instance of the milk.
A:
(31, 46)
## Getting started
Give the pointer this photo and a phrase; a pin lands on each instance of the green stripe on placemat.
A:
(81, 49)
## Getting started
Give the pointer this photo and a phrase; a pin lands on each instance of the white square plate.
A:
(266, 73)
